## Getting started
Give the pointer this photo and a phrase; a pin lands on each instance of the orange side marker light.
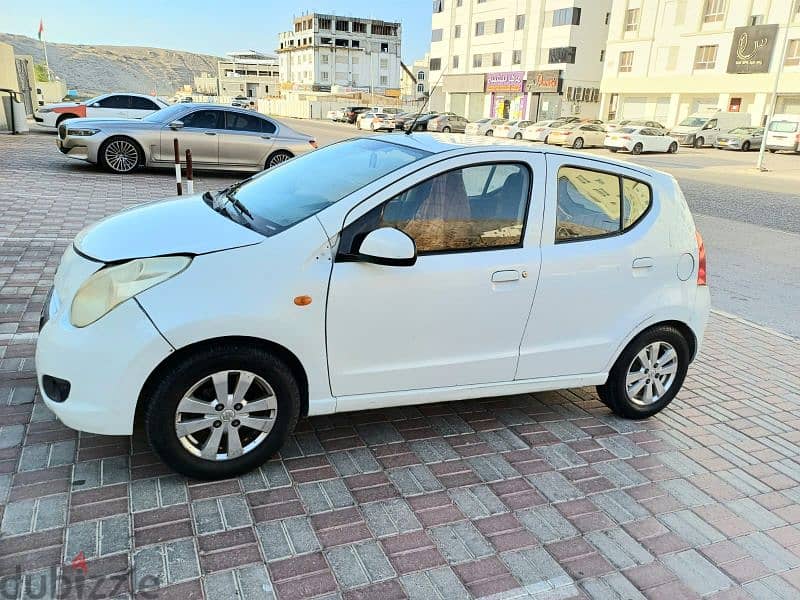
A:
(302, 300)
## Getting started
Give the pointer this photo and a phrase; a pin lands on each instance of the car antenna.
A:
(424, 104)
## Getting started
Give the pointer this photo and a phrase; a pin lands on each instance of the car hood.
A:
(113, 122)
(182, 225)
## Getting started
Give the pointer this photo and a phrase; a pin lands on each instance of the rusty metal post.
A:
(177, 150)
(189, 179)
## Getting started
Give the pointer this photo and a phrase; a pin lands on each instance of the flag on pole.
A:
(41, 29)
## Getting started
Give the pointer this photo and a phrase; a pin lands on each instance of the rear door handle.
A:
(266, 137)
(643, 263)
(503, 276)
(210, 132)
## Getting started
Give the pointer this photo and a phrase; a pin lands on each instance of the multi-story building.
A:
(248, 73)
(524, 59)
(666, 59)
(327, 50)
(421, 75)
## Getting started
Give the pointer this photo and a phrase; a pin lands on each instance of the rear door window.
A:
(242, 122)
(139, 103)
(115, 101)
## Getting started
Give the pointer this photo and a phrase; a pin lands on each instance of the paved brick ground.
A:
(533, 496)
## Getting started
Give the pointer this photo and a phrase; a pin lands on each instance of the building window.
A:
(420, 75)
(420, 88)
(479, 28)
(705, 57)
(459, 3)
(793, 54)
(325, 41)
(632, 19)
(608, 18)
(561, 55)
(497, 58)
(757, 20)
(324, 58)
(438, 6)
(342, 25)
(457, 31)
(626, 61)
(384, 63)
(602, 55)
(323, 75)
(455, 61)
(436, 35)
(384, 80)
(324, 23)
(499, 25)
(796, 12)
(359, 27)
(567, 16)
(435, 64)
(516, 57)
(477, 60)
(714, 11)
(355, 44)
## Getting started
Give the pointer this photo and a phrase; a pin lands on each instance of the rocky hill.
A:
(97, 69)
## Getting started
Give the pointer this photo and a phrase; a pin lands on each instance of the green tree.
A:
(41, 72)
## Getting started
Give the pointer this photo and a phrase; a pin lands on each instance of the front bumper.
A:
(82, 148)
(105, 364)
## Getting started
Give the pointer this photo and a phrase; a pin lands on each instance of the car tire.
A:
(63, 118)
(517, 136)
(620, 393)
(637, 149)
(277, 158)
(673, 148)
(193, 377)
(490, 133)
(446, 130)
(578, 143)
(120, 155)
(772, 150)
(613, 150)
(699, 142)
(745, 146)
(372, 126)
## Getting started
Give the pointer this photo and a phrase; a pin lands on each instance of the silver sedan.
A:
(220, 137)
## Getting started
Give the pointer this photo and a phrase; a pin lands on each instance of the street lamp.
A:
(773, 102)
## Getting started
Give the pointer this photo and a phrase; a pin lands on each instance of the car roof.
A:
(438, 143)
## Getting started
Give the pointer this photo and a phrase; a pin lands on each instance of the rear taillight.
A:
(313, 143)
(701, 259)
(625, 137)
(540, 130)
(797, 138)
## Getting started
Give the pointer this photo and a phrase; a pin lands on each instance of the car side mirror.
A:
(388, 246)
(175, 125)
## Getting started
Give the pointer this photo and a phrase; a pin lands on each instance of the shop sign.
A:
(506, 81)
(751, 50)
(543, 81)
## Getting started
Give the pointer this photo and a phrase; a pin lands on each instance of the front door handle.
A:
(266, 137)
(643, 263)
(503, 276)
(210, 132)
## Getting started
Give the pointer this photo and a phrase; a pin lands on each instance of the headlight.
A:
(42, 109)
(111, 286)
(82, 132)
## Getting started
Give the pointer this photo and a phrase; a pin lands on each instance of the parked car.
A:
(240, 102)
(483, 126)
(389, 110)
(578, 135)
(219, 137)
(351, 113)
(402, 119)
(239, 316)
(447, 123)
(372, 121)
(614, 125)
(702, 128)
(538, 132)
(336, 115)
(511, 129)
(783, 133)
(419, 124)
(741, 138)
(641, 139)
(122, 106)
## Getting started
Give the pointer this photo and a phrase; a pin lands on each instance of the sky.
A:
(206, 26)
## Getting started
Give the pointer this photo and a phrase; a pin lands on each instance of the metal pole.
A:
(773, 101)
(177, 150)
(189, 178)
(46, 62)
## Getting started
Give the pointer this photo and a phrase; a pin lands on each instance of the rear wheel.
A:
(490, 133)
(517, 136)
(772, 151)
(648, 374)
(120, 155)
(222, 411)
(699, 142)
(745, 146)
(445, 130)
(673, 148)
(578, 143)
(637, 149)
(277, 158)
(63, 118)
(613, 149)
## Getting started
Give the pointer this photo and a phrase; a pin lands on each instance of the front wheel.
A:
(445, 130)
(648, 374)
(222, 411)
(745, 146)
(637, 149)
(673, 148)
(613, 150)
(490, 133)
(277, 158)
(517, 136)
(578, 143)
(120, 155)
(699, 142)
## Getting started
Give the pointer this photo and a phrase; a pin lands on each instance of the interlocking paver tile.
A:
(712, 480)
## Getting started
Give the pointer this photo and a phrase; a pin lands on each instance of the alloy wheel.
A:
(651, 373)
(278, 158)
(225, 415)
(122, 156)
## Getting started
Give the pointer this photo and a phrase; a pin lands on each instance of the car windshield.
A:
(693, 122)
(629, 130)
(165, 115)
(783, 126)
(282, 196)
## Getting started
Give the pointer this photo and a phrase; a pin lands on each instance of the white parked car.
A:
(538, 132)
(783, 133)
(483, 127)
(335, 115)
(122, 106)
(416, 274)
(372, 121)
(615, 125)
(641, 139)
(511, 129)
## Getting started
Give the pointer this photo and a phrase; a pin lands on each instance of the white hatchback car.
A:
(429, 270)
